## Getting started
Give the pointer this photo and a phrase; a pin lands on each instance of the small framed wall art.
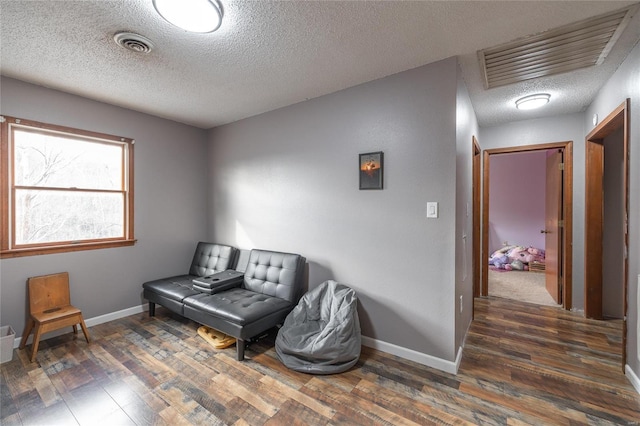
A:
(371, 169)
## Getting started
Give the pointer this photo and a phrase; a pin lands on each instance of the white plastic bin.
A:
(7, 336)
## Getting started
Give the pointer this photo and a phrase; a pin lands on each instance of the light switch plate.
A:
(432, 210)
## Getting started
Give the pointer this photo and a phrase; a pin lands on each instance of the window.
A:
(63, 189)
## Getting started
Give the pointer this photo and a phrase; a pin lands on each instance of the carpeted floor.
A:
(520, 285)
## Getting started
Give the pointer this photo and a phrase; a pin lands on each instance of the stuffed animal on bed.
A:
(537, 255)
(499, 258)
(515, 258)
(519, 259)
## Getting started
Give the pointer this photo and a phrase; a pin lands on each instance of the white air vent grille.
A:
(133, 42)
(580, 45)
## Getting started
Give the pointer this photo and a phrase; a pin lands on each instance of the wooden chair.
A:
(50, 309)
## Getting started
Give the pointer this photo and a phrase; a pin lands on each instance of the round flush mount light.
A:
(198, 16)
(533, 101)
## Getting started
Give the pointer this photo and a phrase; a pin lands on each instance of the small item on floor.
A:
(537, 267)
(215, 338)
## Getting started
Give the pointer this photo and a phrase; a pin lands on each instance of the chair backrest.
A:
(275, 274)
(48, 292)
(210, 258)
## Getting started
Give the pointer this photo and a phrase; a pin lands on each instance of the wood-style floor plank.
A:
(522, 364)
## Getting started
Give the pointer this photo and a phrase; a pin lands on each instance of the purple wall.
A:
(517, 199)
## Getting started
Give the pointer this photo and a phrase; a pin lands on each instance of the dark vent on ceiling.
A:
(580, 45)
(133, 42)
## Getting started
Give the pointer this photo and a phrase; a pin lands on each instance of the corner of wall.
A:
(633, 377)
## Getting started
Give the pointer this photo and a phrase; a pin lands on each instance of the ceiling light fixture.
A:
(198, 16)
(533, 101)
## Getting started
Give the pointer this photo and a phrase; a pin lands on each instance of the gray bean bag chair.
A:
(322, 333)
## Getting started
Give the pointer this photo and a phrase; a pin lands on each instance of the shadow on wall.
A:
(316, 275)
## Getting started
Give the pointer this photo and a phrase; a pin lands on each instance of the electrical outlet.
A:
(461, 304)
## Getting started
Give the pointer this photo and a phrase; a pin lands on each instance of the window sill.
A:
(35, 251)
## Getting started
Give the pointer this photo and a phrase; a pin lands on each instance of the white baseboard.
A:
(116, 315)
(419, 357)
(410, 354)
(90, 322)
(633, 378)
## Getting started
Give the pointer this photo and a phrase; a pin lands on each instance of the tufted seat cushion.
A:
(170, 292)
(177, 287)
(271, 288)
(238, 305)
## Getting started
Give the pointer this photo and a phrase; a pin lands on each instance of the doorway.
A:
(606, 219)
(563, 256)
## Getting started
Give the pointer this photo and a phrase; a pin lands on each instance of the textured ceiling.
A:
(269, 54)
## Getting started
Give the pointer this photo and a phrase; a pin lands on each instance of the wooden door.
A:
(553, 223)
(594, 217)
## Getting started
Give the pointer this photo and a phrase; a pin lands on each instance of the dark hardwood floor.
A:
(522, 364)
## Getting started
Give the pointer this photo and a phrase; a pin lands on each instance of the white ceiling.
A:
(270, 54)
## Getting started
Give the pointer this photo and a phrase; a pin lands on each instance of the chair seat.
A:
(175, 288)
(238, 305)
(56, 314)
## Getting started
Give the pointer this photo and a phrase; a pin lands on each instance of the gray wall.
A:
(624, 84)
(170, 205)
(288, 180)
(466, 128)
(546, 130)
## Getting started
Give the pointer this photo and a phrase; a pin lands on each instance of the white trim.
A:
(633, 378)
(116, 315)
(96, 320)
(458, 359)
(410, 354)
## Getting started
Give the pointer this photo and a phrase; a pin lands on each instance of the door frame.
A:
(567, 205)
(476, 173)
(477, 178)
(618, 118)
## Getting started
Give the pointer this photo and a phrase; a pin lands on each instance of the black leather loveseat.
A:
(269, 290)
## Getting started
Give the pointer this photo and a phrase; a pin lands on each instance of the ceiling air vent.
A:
(580, 45)
(134, 42)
